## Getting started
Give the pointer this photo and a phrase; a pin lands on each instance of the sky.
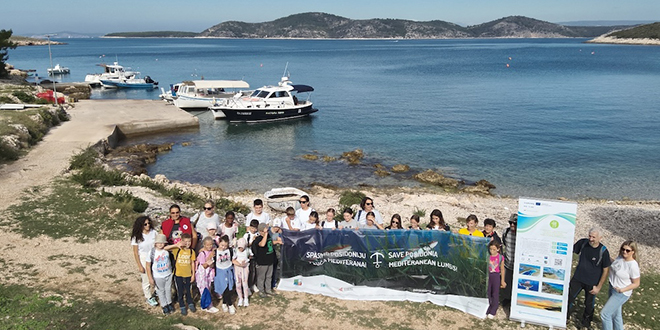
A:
(26, 17)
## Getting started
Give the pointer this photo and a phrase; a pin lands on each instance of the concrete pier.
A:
(91, 121)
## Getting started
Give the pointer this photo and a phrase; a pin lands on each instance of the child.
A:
(371, 222)
(213, 233)
(489, 230)
(242, 271)
(258, 213)
(159, 270)
(250, 236)
(437, 221)
(414, 222)
(276, 236)
(205, 270)
(471, 222)
(395, 222)
(495, 281)
(224, 274)
(312, 222)
(264, 257)
(290, 221)
(330, 222)
(229, 228)
(184, 260)
(349, 222)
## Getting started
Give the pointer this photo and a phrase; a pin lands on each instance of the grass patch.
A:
(23, 308)
(69, 211)
(35, 129)
(419, 212)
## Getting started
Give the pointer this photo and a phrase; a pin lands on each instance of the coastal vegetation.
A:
(323, 25)
(651, 31)
(5, 45)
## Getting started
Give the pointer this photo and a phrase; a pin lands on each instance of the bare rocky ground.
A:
(106, 270)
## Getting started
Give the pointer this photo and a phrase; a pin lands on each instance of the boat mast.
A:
(50, 56)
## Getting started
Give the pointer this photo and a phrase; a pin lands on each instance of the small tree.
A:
(5, 44)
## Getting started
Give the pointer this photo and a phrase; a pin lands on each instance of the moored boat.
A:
(133, 82)
(268, 103)
(201, 94)
(58, 70)
(111, 72)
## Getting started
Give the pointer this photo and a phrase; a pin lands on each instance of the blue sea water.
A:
(564, 118)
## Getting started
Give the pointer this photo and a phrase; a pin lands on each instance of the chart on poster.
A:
(544, 249)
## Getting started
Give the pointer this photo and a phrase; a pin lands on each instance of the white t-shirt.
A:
(328, 224)
(249, 237)
(263, 218)
(622, 272)
(222, 259)
(242, 256)
(144, 247)
(230, 232)
(303, 216)
(295, 223)
(362, 220)
(306, 225)
(203, 223)
(161, 266)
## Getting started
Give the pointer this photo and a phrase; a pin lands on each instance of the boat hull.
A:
(251, 115)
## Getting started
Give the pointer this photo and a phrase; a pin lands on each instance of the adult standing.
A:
(176, 225)
(302, 214)
(624, 277)
(590, 274)
(143, 237)
(509, 241)
(367, 205)
(208, 216)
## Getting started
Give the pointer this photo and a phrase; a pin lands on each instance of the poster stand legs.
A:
(522, 324)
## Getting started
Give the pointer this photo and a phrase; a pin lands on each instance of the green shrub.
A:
(8, 153)
(48, 118)
(85, 158)
(6, 99)
(139, 205)
(88, 176)
(225, 205)
(350, 197)
(24, 97)
(62, 115)
(419, 212)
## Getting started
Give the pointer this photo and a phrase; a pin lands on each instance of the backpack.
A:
(173, 258)
(152, 255)
(600, 254)
(336, 224)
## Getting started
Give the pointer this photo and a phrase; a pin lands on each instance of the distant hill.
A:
(323, 25)
(651, 31)
(28, 41)
(153, 34)
(604, 23)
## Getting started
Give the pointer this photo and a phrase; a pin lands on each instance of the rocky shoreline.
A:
(625, 41)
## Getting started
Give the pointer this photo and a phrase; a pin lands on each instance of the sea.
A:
(543, 118)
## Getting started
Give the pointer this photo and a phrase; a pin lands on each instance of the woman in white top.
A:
(624, 276)
(367, 205)
(302, 214)
(143, 238)
(205, 218)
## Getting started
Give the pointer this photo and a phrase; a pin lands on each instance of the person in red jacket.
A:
(176, 225)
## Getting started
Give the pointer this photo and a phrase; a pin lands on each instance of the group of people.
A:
(208, 252)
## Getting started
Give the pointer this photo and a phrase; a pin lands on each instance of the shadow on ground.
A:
(629, 223)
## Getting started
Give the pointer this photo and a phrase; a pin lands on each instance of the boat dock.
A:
(117, 119)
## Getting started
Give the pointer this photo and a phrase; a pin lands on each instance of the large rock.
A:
(400, 168)
(134, 159)
(435, 178)
(480, 187)
(353, 157)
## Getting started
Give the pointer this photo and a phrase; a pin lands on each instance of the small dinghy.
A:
(281, 198)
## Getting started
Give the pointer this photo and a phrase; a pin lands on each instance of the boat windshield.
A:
(259, 93)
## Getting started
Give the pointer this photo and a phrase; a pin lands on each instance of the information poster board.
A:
(542, 269)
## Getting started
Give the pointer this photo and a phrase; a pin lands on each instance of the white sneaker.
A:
(212, 310)
(246, 303)
(490, 316)
(225, 308)
(240, 302)
(232, 310)
(254, 289)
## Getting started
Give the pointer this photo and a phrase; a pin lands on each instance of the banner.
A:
(542, 268)
(418, 265)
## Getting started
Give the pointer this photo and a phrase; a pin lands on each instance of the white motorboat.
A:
(58, 70)
(111, 72)
(201, 94)
(281, 198)
(171, 94)
(268, 103)
(134, 82)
